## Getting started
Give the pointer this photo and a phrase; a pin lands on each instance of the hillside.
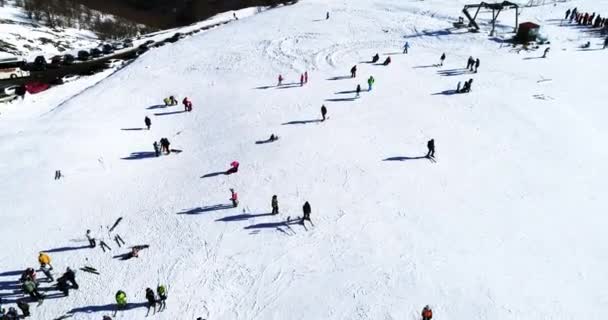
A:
(506, 223)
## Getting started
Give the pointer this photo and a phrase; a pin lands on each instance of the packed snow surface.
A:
(508, 223)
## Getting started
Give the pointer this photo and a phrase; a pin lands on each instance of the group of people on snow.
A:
(594, 20)
(473, 64)
(162, 148)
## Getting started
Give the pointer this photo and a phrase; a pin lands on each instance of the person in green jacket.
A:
(370, 83)
(121, 300)
(162, 297)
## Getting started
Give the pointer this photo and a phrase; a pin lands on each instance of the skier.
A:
(387, 61)
(280, 81)
(234, 197)
(28, 274)
(431, 146)
(323, 112)
(156, 149)
(44, 260)
(476, 64)
(24, 307)
(167, 101)
(29, 287)
(70, 276)
(151, 300)
(301, 80)
(306, 211)
(353, 71)
(406, 46)
(148, 122)
(121, 300)
(458, 87)
(442, 59)
(546, 51)
(164, 145)
(358, 90)
(187, 104)
(275, 205)
(234, 167)
(370, 83)
(57, 174)
(327, 16)
(173, 100)
(375, 58)
(305, 76)
(12, 314)
(46, 269)
(606, 43)
(470, 63)
(567, 14)
(162, 297)
(469, 85)
(273, 138)
(427, 313)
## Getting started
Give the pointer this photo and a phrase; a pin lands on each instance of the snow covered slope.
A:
(508, 223)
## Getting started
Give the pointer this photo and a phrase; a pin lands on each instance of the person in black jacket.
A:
(306, 211)
(70, 276)
(323, 112)
(431, 146)
(151, 299)
(148, 122)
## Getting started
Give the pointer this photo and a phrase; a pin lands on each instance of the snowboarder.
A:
(406, 46)
(387, 61)
(442, 59)
(275, 205)
(121, 300)
(162, 297)
(151, 300)
(57, 174)
(305, 76)
(370, 83)
(546, 51)
(92, 243)
(280, 81)
(476, 64)
(70, 276)
(24, 307)
(234, 167)
(156, 149)
(301, 80)
(323, 112)
(306, 212)
(358, 90)
(375, 58)
(148, 122)
(353, 72)
(44, 260)
(234, 197)
(427, 313)
(431, 146)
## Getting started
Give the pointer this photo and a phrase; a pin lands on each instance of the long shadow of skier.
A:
(446, 93)
(105, 307)
(169, 113)
(244, 216)
(62, 249)
(339, 78)
(140, 155)
(346, 92)
(132, 129)
(11, 273)
(405, 158)
(301, 122)
(198, 210)
(453, 72)
(214, 174)
(159, 106)
(341, 99)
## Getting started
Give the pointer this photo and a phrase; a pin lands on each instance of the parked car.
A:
(128, 43)
(10, 90)
(118, 45)
(39, 64)
(36, 87)
(107, 49)
(68, 59)
(68, 78)
(84, 55)
(56, 61)
(112, 63)
(149, 42)
(96, 53)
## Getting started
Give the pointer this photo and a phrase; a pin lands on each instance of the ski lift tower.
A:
(496, 9)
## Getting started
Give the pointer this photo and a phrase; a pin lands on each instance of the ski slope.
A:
(508, 223)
